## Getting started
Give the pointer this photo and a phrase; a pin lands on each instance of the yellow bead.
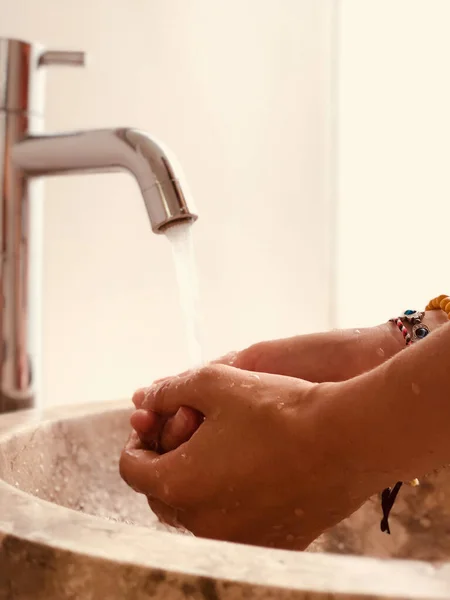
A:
(444, 302)
(436, 301)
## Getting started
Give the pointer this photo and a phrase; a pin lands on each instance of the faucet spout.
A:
(106, 150)
(25, 157)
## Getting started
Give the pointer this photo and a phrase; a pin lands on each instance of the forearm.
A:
(393, 422)
(319, 357)
(330, 356)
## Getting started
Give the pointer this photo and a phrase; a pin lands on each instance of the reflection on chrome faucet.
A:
(26, 154)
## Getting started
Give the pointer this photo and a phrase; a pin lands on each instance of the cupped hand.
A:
(264, 467)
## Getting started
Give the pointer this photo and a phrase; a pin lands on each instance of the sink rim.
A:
(34, 520)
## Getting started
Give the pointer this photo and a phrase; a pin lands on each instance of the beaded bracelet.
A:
(419, 329)
(442, 302)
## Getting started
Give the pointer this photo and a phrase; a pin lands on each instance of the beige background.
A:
(241, 93)
(394, 156)
(251, 96)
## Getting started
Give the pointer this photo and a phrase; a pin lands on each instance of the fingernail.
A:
(182, 414)
(152, 391)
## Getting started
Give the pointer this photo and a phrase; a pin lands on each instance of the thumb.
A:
(194, 389)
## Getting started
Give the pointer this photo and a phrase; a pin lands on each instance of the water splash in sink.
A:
(180, 238)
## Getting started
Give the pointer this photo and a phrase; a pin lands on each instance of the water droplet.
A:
(299, 512)
(416, 389)
(357, 331)
(36, 491)
(290, 537)
(380, 352)
(280, 405)
(184, 455)
(16, 484)
(246, 385)
(237, 504)
(254, 376)
(57, 488)
(166, 488)
(157, 474)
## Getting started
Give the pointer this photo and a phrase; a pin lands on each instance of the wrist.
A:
(377, 344)
(368, 348)
(337, 423)
(414, 326)
(390, 424)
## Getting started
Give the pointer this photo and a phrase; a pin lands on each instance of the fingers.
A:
(180, 428)
(139, 397)
(232, 359)
(140, 468)
(163, 435)
(147, 425)
(194, 389)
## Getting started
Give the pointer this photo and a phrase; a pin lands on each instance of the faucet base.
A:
(8, 404)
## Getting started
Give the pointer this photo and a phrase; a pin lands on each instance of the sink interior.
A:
(73, 462)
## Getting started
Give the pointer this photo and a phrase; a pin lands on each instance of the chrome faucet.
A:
(27, 154)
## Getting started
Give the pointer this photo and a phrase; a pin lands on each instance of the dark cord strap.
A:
(388, 497)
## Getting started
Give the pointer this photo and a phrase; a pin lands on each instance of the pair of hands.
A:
(246, 450)
(332, 356)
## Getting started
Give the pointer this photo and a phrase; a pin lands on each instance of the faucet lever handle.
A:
(63, 57)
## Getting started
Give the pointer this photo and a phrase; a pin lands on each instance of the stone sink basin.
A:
(71, 529)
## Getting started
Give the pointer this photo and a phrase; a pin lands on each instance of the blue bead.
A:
(409, 312)
(421, 332)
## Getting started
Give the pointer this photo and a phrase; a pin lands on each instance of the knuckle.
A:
(160, 390)
(209, 373)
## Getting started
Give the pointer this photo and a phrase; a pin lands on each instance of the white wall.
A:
(240, 91)
(394, 157)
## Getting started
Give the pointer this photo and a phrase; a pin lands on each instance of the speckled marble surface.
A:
(71, 529)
